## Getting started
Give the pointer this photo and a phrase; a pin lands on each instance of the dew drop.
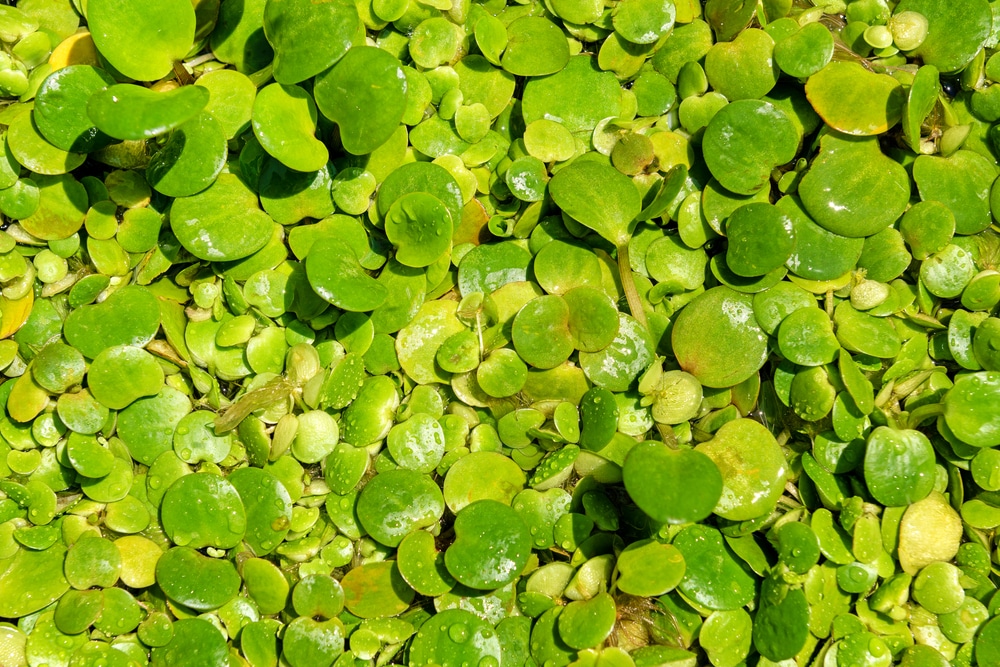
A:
(459, 633)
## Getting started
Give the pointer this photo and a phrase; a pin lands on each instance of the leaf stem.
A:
(922, 413)
(667, 435)
(628, 286)
(183, 76)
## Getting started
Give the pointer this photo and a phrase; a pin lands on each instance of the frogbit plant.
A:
(477, 333)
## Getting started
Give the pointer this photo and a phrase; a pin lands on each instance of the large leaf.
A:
(142, 38)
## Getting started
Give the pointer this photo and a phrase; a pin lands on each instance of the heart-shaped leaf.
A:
(745, 141)
(365, 94)
(129, 316)
(675, 486)
(491, 545)
(535, 47)
(307, 36)
(743, 68)
(142, 38)
(206, 223)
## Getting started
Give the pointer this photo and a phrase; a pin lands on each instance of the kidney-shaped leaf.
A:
(130, 316)
(852, 189)
(284, 122)
(855, 101)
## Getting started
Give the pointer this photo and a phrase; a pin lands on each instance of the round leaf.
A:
(203, 511)
(337, 276)
(753, 469)
(745, 141)
(420, 227)
(717, 339)
(61, 108)
(192, 158)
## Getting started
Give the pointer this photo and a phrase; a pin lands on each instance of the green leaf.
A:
(365, 94)
(336, 275)
(284, 121)
(130, 112)
(192, 158)
(612, 215)
(308, 36)
(675, 486)
(142, 38)
(205, 223)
